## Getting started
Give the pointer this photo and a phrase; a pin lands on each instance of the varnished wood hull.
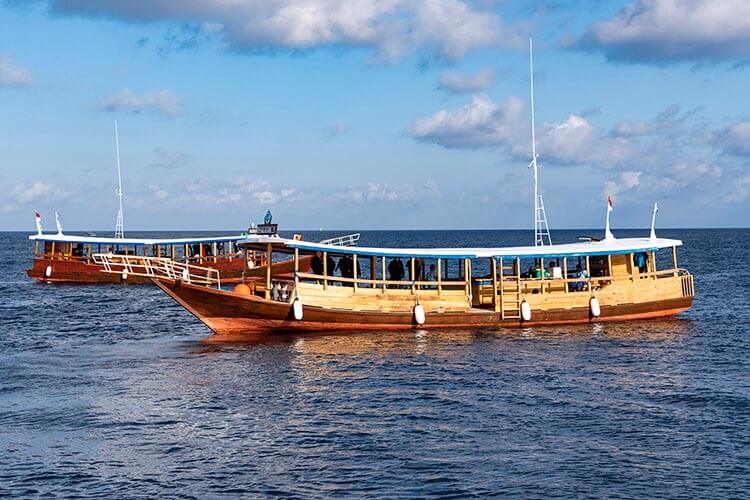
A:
(228, 313)
(79, 272)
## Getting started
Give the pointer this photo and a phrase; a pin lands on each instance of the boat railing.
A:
(347, 240)
(157, 267)
(444, 284)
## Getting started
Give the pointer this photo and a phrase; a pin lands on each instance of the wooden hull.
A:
(75, 271)
(229, 313)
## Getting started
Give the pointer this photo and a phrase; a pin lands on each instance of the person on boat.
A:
(396, 270)
(316, 263)
(641, 261)
(580, 273)
(346, 268)
(330, 264)
(430, 275)
(417, 270)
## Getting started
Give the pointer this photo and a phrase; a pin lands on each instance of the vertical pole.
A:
(296, 268)
(269, 253)
(373, 269)
(325, 270)
(411, 274)
(609, 265)
(541, 274)
(493, 264)
(215, 248)
(244, 264)
(674, 259)
(467, 277)
(588, 271)
(354, 258)
(383, 274)
(653, 264)
(565, 273)
(440, 275)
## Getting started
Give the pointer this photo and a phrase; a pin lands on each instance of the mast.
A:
(120, 224)
(541, 228)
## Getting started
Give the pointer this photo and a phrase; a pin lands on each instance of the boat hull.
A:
(228, 313)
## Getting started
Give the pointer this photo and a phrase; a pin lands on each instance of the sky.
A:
(373, 114)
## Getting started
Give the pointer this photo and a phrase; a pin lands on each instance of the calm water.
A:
(114, 391)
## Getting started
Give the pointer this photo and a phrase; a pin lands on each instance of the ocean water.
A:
(115, 391)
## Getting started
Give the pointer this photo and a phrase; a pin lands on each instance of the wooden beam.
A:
(674, 259)
(493, 265)
(325, 270)
(296, 268)
(354, 263)
(565, 273)
(269, 254)
(439, 275)
(588, 272)
(383, 275)
(411, 274)
(541, 274)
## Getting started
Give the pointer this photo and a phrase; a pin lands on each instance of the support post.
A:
(674, 259)
(325, 270)
(541, 274)
(588, 272)
(411, 274)
(383, 274)
(493, 265)
(439, 275)
(269, 254)
(296, 268)
(565, 273)
(354, 263)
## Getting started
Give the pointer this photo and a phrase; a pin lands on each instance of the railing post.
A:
(355, 274)
(325, 270)
(269, 256)
(439, 275)
(493, 265)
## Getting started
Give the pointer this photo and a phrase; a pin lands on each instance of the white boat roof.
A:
(70, 238)
(578, 249)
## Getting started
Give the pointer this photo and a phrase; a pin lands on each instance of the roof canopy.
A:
(605, 247)
(94, 240)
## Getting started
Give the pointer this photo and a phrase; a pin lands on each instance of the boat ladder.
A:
(348, 240)
(157, 267)
(509, 289)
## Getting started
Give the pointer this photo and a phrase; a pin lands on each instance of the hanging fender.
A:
(419, 316)
(297, 309)
(525, 311)
(595, 307)
(48, 271)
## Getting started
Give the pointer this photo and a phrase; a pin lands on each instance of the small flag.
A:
(38, 220)
(610, 205)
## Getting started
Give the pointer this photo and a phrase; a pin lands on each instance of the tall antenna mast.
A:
(541, 228)
(120, 224)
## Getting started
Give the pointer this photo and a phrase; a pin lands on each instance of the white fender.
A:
(250, 263)
(124, 275)
(525, 311)
(596, 309)
(185, 275)
(48, 272)
(419, 316)
(297, 309)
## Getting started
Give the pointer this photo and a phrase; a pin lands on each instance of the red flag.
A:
(36, 215)
(609, 201)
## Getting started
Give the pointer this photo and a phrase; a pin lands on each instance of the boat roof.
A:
(70, 238)
(577, 249)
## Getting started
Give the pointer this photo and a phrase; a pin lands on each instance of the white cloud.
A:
(377, 192)
(674, 30)
(389, 28)
(25, 194)
(335, 129)
(12, 75)
(736, 138)
(169, 159)
(458, 83)
(161, 102)
(480, 123)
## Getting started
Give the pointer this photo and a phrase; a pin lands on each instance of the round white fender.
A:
(297, 308)
(596, 309)
(48, 271)
(525, 311)
(124, 275)
(250, 263)
(419, 316)
(185, 275)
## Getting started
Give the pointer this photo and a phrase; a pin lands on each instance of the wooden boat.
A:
(582, 282)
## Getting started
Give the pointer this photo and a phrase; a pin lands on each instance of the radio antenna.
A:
(541, 228)
(120, 224)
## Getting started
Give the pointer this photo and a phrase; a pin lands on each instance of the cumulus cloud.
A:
(480, 123)
(458, 83)
(377, 192)
(161, 102)
(13, 75)
(25, 194)
(389, 29)
(736, 138)
(664, 31)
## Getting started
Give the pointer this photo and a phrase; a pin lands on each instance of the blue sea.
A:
(116, 391)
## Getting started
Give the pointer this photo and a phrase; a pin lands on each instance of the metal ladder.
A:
(541, 227)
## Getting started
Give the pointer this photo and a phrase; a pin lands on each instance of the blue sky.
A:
(373, 114)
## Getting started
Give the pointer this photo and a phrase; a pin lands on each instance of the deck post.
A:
(609, 266)
(565, 273)
(215, 246)
(325, 270)
(373, 269)
(411, 275)
(354, 259)
(653, 265)
(439, 275)
(244, 264)
(201, 252)
(588, 271)
(674, 259)
(493, 264)
(383, 274)
(541, 275)
(296, 269)
(467, 277)
(269, 255)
